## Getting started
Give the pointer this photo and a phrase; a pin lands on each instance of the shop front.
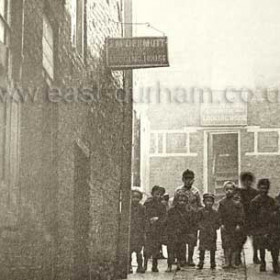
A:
(228, 139)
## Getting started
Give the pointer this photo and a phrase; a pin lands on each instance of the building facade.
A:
(217, 135)
(63, 139)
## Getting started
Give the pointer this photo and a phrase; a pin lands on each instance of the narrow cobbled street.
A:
(248, 271)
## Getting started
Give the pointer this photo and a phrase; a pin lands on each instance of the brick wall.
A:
(167, 171)
(44, 241)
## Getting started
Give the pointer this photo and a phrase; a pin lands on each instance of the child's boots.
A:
(275, 262)
(200, 265)
(234, 256)
(169, 268)
(201, 259)
(238, 260)
(213, 259)
(256, 259)
(190, 256)
(275, 266)
(145, 264)
(227, 254)
(178, 268)
(140, 268)
(263, 266)
(155, 265)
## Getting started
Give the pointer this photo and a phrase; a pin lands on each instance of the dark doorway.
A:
(81, 214)
(222, 160)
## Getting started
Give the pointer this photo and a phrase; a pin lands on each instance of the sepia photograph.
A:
(139, 139)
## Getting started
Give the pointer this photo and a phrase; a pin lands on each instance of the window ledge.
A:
(174, 155)
(263, 154)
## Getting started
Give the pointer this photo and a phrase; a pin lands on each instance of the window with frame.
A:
(176, 143)
(4, 20)
(171, 143)
(48, 47)
(265, 141)
(78, 25)
(4, 32)
(268, 142)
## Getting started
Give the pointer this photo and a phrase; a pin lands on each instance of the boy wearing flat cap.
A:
(155, 221)
(194, 203)
(137, 230)
(208, 224)
(232, 222)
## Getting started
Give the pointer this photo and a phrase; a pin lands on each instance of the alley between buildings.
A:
(248, 271)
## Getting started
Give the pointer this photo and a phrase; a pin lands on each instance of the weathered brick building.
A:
(217, 135)
(65, 142)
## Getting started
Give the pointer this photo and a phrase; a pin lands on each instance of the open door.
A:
(222, 160)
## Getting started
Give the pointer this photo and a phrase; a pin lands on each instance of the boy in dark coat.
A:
(162, 236)
(241, 235)
(179, 220)
(194, 202)
(208, 224)
(155, 220)
(137, 229)
(247, 194)
(262, 209)
(232, 220)
(275, 236)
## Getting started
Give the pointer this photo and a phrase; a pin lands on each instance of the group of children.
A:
(179, 224)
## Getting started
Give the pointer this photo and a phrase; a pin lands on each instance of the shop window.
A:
(156, 143)
(153, 143)
(176, 143)
(48, 47)
(248, 142)
(160, 143)
(170, 143)
(268, 142)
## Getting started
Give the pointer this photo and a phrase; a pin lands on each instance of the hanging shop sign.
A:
(136, 52)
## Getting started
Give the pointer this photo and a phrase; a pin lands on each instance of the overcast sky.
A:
(214, 43)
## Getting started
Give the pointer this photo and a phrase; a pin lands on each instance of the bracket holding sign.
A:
(136, 52)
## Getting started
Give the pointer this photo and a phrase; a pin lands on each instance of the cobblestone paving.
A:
(195, 274)
(162, 275)
(207, 273)
(251, 272)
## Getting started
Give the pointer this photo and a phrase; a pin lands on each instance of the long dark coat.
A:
(178, 225)
(232, 215)
(208, 224)
(261, 213)
(154, 231)
(275, 229)
(247, 195)
(137, 228)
